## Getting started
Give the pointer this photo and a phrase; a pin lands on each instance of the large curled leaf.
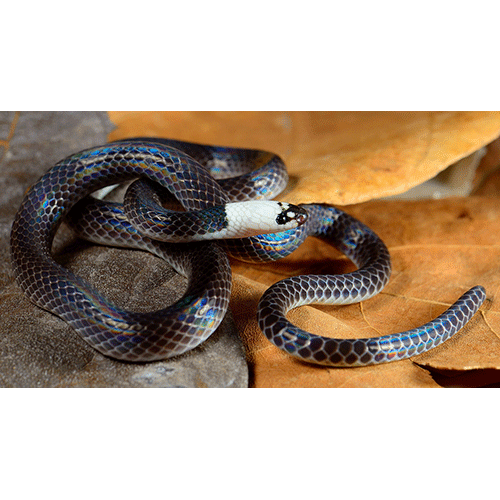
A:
(439, 248)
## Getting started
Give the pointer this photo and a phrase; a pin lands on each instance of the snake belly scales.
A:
(189, 172)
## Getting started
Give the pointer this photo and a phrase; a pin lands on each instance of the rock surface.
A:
(37, 349)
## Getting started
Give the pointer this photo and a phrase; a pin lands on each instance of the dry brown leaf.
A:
(439, 248)
(333, 157)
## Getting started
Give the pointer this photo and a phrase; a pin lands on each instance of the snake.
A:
(195, 206)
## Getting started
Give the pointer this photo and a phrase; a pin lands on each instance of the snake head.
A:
(250, 218)
(290, 213)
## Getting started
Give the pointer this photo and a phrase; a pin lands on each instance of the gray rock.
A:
(37, 349)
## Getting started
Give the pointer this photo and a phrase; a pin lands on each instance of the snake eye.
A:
(283, 218)
(289, 213)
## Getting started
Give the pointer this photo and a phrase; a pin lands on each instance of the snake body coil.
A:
(372, 258)
(187, 171)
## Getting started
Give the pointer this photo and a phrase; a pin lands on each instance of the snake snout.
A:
(290, 213)
(301, 216)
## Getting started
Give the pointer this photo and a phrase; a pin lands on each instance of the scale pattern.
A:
(370, 254)
(187, 171)
(122, 334)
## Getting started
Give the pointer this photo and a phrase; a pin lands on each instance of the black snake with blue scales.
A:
(224, 193)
